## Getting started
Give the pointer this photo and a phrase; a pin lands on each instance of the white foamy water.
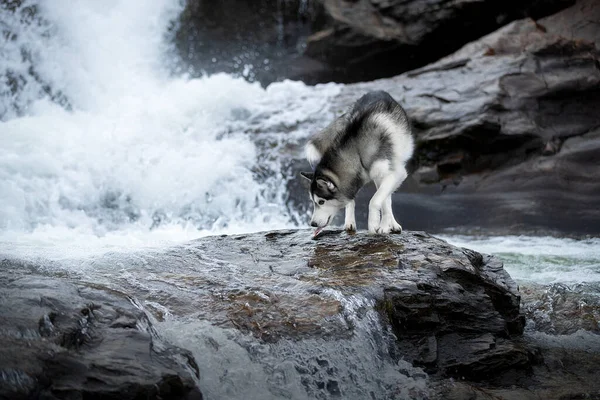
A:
(540, 259)
(100, 149)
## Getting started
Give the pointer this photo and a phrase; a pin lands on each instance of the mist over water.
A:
(102, 148)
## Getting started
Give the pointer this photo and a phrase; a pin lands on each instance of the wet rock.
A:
(562, 335)
(289, 286)
(379, 38)
(462, 341)
(560, 309)
(260, 40)
(65, 340)
(509, 123)
(566, 368)
(318, 314)
(285, 285)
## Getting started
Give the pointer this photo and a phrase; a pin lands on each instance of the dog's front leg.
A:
(350, 221)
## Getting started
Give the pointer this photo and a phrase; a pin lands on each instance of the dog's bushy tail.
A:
(371, 104)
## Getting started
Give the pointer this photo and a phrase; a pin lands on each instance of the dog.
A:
(373, 141)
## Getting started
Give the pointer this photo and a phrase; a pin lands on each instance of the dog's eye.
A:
(321, 202)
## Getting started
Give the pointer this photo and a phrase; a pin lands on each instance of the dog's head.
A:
(326, 198)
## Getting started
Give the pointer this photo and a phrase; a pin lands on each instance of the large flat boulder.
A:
(282, 315)
(451, 309)
(301, 307)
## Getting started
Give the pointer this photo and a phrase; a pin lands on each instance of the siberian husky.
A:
(371, 142)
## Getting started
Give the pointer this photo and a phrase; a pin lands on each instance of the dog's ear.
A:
(327, 184)
(307, 175)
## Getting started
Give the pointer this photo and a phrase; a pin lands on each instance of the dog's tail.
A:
(372, 104)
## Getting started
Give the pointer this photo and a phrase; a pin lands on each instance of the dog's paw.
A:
(382, 230)
(374, 227)
(350, 226)
(374, 222)
(388, 226)
(396, 227)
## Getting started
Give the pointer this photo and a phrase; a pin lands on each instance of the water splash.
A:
(100, 147)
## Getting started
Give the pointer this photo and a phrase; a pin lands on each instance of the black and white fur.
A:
(371, 142)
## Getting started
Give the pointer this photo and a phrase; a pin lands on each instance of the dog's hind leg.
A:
(381, 217)
(387, 217)
(350, 220)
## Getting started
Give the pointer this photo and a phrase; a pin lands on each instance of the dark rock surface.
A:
(307, 305)
(562, 326)
(378, 38)
(425, 287)
(63, 340)
(452, 310)
(335, 40)
(560, 309)
(508, 123)
(262, 40)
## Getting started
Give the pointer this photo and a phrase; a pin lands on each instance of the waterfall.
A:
(101, 144)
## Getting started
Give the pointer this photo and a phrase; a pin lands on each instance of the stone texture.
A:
(261, 40)
(62, 340)
(508, 122)
(66, 340)
(453, 312)
(378, 38)
(421, 285)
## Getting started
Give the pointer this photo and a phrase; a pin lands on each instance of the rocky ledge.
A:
(508, 123)
(376, 38)
(66, 340)
(454, 312)
(297, 303)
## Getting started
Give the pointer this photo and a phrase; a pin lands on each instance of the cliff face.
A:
(378, 38)
(507, 129)
(336, 40)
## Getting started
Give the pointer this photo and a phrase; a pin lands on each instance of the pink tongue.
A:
(317, 231)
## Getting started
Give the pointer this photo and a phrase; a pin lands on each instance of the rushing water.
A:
(538, 259)
(103, 150)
